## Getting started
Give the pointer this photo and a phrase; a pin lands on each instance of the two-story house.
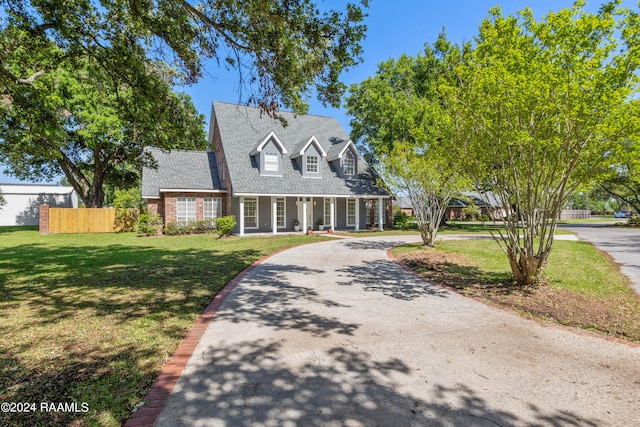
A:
(269, 176)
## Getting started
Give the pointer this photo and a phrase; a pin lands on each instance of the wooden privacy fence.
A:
(82, 220)
(575, 214)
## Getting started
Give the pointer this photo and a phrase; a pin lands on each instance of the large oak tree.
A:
(85, 85)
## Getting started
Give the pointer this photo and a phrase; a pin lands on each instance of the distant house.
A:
(24, 200)
(487, 203)
(271, 177)
(404, 203)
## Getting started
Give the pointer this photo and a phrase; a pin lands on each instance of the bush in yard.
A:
(401, 220)
(204, 226)
(634, 220)
(128, 204)
(148, 224)
(177, 229)
(224, 225)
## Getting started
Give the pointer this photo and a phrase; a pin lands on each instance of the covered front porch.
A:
(285, 213)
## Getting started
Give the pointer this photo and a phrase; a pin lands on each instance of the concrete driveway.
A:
(335, 334)
(622, 244)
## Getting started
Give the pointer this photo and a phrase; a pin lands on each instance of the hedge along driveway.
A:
(93, 318)
(336, 334)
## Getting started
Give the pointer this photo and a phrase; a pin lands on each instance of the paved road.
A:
(334, 334)
(622, 244)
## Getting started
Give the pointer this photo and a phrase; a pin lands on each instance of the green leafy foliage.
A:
(128, 204)
(192, 227)
(634, 220)
(622, 180)
(148, 224)
(86, 85)
(224, 225)
(539, 109)
(401, 220)
(399, 118)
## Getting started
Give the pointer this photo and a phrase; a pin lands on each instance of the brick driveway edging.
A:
(156, 397)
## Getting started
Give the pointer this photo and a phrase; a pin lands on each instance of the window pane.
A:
(327, 212)
(212, 207)
(351, 212)
(271, 162)
(312, 164)
(185, 209)
(349, 167)
(280, 213)
(251, 213)
(217, 207)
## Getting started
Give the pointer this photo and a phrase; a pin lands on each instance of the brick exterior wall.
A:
(152, 206)
(216, 147)
(168, 203)
(44, 219)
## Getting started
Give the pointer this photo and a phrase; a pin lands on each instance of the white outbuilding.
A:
(23, 201)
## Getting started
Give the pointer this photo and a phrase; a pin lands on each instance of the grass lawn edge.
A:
(550, 322)
(155, 399)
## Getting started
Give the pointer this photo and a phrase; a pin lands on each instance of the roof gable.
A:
(180, 170)
(270, 137)
(337, 151)
(304, 145)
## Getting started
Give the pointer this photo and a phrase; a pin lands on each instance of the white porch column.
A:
(381, 214)
(304, 214)
(274, 212)
(332, 206)
(241, 216)
(357, 214)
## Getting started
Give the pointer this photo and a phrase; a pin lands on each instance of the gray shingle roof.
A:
(240, 127)
(179, 169)
(336, 149)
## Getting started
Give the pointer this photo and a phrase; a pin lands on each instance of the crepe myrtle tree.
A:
(399, 119)
(539, 107)
(87, 85)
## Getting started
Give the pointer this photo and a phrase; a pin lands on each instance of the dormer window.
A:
(271, 162)
(312, 164)
(308, 154)
(349, 166)
(267, 156)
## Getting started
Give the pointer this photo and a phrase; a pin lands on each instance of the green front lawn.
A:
(93, 318)
(581, 287)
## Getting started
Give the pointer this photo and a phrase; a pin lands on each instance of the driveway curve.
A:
(335, 334)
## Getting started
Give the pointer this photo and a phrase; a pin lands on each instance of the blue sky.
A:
(394, 28)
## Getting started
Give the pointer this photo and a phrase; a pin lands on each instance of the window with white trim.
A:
(212, 207)
(185, 209)
(251, 212)
(312, 164)
(349, 166)
(351, 212)
(327, 212)
(271, 162)
(280, 213)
